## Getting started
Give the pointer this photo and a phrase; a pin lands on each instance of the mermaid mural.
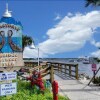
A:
(13, 46)
(2, 42)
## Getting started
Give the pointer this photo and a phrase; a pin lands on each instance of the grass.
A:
(26, 93)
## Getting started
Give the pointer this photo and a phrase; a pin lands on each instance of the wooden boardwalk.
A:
(70, 85)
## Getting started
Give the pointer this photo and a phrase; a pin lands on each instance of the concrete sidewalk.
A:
(77, 90)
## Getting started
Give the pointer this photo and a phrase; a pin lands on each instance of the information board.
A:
(10, 45)
(94, 67)
(8, 76)
(7, 89)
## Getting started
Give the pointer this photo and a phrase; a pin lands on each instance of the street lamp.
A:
(33, 47)
(38, 56)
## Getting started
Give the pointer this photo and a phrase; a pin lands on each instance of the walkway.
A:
(77, 90)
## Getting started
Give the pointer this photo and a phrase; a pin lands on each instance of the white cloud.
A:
(70, 34)
(96, 54)
(57, 17)
(96, 44)
(30, 53)
(69, 14)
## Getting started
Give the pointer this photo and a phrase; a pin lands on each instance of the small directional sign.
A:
(94, 67)
(8, 88)
(8, 76)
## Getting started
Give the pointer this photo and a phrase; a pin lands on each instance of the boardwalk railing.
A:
(46, 68)
(70, 70)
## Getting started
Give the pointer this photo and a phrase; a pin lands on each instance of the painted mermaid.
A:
(2, 42)
(13, 46)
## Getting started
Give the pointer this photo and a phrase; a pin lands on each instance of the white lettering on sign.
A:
(7, 89)
(8, 76)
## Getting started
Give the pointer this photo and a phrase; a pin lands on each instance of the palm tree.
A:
(26, 41)
(93, 2)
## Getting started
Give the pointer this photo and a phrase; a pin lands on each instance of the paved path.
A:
(77, 90)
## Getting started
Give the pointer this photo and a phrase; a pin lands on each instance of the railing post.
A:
(51, 73)
(76, 71)
(70, 70)
(65, 69)
(61, 68)
(58, 67)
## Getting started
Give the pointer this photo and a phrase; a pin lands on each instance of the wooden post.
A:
(58, 67)
(65, 69)
(51, 73)
(61, 68)
(70, 70)
(94, 75)
(76, 71)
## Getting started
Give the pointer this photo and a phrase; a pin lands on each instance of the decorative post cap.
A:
(7, 13)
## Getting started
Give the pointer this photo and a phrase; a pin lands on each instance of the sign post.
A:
(94, 68)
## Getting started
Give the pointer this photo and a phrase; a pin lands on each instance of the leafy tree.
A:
(92, 2)
(26, 41)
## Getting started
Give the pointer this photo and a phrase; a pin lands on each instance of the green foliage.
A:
(97, 80)
(26, 41)
(25, 92)
(97, 59)
(92, 2)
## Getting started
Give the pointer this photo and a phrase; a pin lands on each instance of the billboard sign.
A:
(8, 76)
(7, 89)
(10, 38)
(10, 43)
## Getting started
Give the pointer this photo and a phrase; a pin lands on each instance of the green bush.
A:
(25, 92)
(96, 80)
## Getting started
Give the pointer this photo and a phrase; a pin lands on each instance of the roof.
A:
(10, 20)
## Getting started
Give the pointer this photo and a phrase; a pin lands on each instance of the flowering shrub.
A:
(25, 92)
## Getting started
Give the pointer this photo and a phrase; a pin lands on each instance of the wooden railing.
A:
(70, 70)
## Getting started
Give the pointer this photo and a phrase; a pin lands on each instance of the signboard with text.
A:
(7, 89)
(10, 43)
(94, 67)
(8, 76)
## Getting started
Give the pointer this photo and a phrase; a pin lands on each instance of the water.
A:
(83, 68)
(86, 68)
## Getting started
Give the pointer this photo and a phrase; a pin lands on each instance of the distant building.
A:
(92, 60)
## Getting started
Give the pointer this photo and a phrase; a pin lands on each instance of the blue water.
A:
(83, 68)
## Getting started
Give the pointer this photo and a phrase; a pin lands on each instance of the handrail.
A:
(65, 68)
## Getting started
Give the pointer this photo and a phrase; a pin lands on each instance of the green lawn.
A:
(26, 93)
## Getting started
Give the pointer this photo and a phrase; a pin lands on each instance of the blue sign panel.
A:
(8, 76)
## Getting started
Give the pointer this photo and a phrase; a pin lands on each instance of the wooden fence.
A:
(46, 68)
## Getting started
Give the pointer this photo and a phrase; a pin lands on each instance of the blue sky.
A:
(46, 22)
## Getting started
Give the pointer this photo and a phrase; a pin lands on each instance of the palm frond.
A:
(92, 2)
